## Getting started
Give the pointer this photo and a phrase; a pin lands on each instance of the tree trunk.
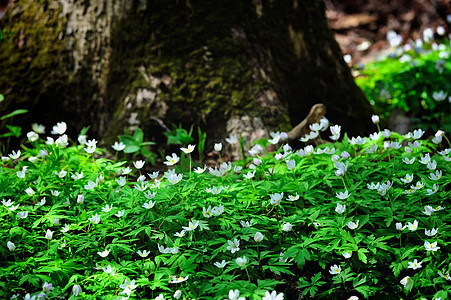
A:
(228, 66)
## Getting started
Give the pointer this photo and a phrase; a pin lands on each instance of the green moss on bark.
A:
(33, 74)
(205, 54)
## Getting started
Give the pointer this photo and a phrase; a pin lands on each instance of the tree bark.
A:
(228, 66)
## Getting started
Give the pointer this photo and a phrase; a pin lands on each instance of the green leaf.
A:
(139, 135)
(14, 113)
(131, 149)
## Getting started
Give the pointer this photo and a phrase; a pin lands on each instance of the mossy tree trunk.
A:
(229, 66)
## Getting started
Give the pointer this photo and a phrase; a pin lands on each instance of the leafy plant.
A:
(363, 217)
(179, 136)
(135, 145)
(416, 81)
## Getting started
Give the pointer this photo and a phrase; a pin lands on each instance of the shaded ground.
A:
(357, 21)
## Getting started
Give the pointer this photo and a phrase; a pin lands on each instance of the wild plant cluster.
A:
(357, 218)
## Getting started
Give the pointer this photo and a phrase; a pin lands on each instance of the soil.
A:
(357, 21)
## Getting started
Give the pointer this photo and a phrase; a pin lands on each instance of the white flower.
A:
(49, 234)
(407, 161)
(218, 147)
(139, 164)
(174, 279)
(414, 264)
(433, 190)
(221, 264)
(143, 254)
(40, 129)
(276, 198)
(241, 261)
(154, 175)
(340, 208)
(334, 270)
(258, 237)
(91, 185)
(408, 178)
(90, 149)
(149, 204)
(394, 145)
(104, 253)
(30, 192)
(335, 130)
(358, 140)
(180, 234)
(32, 136)
(436, 176)
(13, 207)
(375, 119)
(118, 146)
(275, 137)
(400, 227)
(406, 281)
(189, 149)
(22, 214)
(14, 154)
(80, 198)
(107, 208)
(446, 276)
(273, 296)
(10, 246)
(159, 297)
(47, 287)
(417, 134)
(417, 186)
(432, 165)
(287, 227)
(59, 128)
(65, 228)
(352, 225)
(108, 270)
(95, 219)
(77, 176)
(76, 290)
(233, 139)
(342, 196)
(82, 139)
(235, 295)
(249, 175)
(291, 164)
(172, 160)
(246, 224)
(174, 178)
(21, 174)
(120, 213)
(62, 141)
(412, 226)
(431, 246)
(293, 198)
(191, 226)
(233, 246)
(121, 181)
(347, 254)
(439, 96)
(255, 150)
(430, 232)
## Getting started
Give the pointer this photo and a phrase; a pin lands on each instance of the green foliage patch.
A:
(364, 217)
(415, 79)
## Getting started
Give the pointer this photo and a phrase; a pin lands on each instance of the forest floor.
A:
(357, 21)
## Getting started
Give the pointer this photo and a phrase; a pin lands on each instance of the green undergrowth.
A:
(415, 79)
(363, 217)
